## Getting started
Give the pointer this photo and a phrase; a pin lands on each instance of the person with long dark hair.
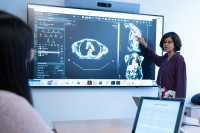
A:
(171, 77)
(16, 112)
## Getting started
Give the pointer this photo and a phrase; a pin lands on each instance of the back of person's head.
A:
(16, 41)
(175, 38)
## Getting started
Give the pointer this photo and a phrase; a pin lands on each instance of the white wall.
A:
(19, 7)
(181, 16)
(90, 103)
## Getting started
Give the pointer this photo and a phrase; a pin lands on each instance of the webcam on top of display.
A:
(102, 4)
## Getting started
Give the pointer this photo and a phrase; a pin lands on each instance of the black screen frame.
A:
(31, 65)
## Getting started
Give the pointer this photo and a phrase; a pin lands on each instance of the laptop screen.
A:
(156, 115)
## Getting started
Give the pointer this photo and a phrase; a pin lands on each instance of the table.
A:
(95, 126)
(104, 126)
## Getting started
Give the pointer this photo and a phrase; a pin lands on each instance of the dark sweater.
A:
(172, 72)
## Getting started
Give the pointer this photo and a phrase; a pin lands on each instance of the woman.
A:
(171, 77)
(16, 113)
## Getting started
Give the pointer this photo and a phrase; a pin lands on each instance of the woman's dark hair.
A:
(175, 38)
(16, 41)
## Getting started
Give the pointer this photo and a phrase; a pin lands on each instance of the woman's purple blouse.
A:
(172, 72)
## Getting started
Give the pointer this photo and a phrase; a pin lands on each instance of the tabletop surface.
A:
(104, 126)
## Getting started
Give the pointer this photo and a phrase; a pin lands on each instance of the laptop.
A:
(136, 100)
(159, 115)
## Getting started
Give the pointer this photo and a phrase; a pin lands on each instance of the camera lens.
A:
(109, 5)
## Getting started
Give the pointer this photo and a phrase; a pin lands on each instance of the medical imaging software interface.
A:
(88, 47)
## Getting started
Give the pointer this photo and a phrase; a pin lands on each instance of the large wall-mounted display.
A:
(83, 47)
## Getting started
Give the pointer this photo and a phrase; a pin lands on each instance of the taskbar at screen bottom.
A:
(89, 82)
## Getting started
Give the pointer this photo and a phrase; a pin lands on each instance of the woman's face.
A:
(168, 45)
